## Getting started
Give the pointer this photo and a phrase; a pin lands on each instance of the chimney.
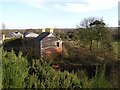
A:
(51, 30)
(3, 37)
(43, 29)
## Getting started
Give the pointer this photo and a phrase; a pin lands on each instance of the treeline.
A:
(93, 33)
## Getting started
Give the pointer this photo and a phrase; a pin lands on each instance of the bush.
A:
(0, 68)
(39, 74)
(47, 77)
(0, 75)
(100, 81)
(14, 70)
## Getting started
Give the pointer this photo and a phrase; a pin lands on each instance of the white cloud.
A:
(88, 5)
(79, 6)
(35, 3)
(23, 1)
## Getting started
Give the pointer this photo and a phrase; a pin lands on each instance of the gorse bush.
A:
(18, 73)
(14, 70)
(47, 77)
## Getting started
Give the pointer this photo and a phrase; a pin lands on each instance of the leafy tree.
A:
(99, 30)
(94, 30)
(86, 34)
(72, 35)
(63, 36)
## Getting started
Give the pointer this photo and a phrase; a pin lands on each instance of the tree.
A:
(85, 23)
(99, 30)
(86, 34)
(3, 26)
(95, 30)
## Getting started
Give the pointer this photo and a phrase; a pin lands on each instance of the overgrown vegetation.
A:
(17, 72)
(14, 70)
(90, 59)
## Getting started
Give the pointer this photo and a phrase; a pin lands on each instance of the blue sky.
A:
(55, 13)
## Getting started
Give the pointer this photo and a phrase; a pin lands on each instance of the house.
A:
(28, 42)
(47, 44)
(28, 36)
(2, 38)
(15, 35)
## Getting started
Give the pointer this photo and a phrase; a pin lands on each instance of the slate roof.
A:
(45, 34)
(42, 36)
(14, 34)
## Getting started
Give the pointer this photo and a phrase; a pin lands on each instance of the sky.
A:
(27, 14)
(119, 13)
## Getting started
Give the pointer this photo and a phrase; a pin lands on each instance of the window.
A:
(57, 44)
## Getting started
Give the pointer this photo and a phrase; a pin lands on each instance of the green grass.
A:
(116, 48)
(97, 81)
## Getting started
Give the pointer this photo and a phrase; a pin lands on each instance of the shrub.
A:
(0, 68)
(39, 74)
(100, 81)
(47, 77)
(97, 81)
(14, 70)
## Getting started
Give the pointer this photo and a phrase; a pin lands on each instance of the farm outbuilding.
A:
(30, 35)
(15, 35)
(47, 44)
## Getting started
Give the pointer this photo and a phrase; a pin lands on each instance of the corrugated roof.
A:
(31, 34)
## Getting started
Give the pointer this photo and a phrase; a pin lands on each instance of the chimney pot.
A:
(43, 29)
(51, 30)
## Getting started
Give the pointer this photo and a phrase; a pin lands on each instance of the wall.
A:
(49, 47)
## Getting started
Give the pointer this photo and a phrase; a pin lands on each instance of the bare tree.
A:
(3, 26)
(85, 23)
